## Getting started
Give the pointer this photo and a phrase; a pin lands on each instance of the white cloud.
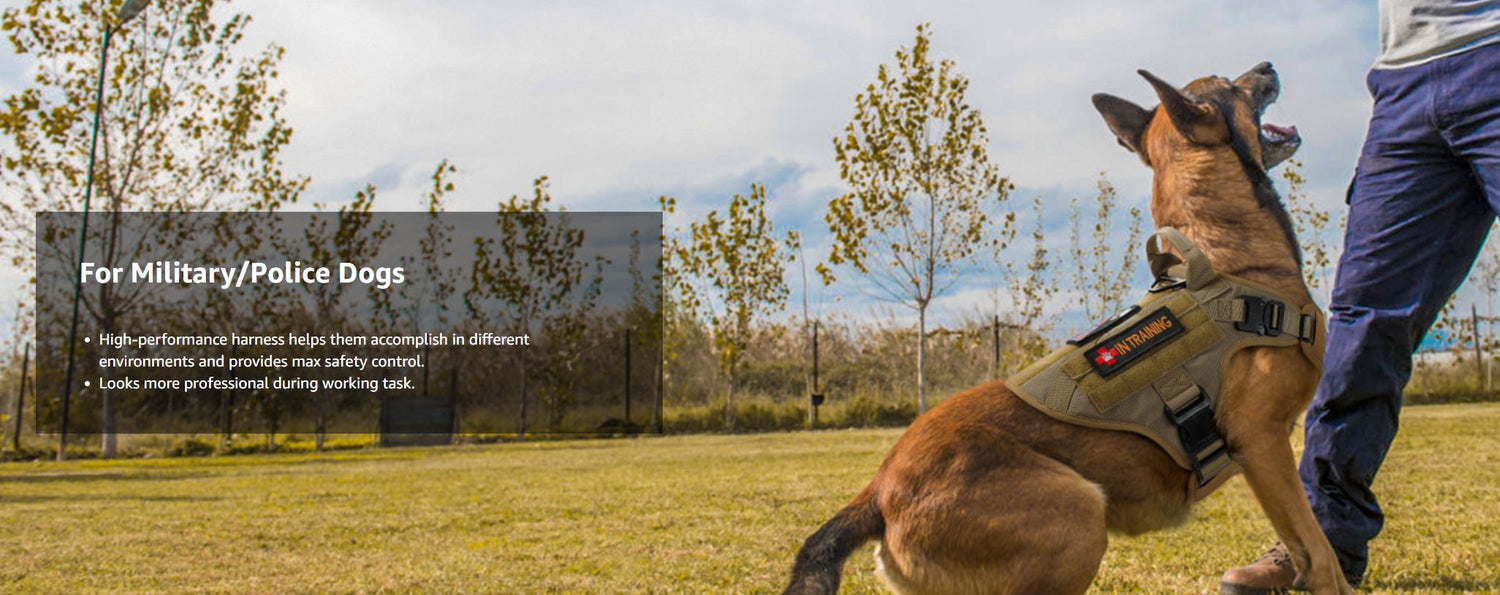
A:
(665, 96)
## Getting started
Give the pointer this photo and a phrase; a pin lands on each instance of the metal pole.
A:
(15, 439)
(815, 357)
(995, 365)
(812, 411)
(83, 234)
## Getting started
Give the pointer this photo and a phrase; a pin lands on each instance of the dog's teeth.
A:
(1278, 130)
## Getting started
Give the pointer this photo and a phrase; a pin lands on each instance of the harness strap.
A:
(1194, 266)
(1265, 316)
(1310, 319)
(1191, 411)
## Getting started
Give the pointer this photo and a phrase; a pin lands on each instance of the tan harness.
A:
(1156, 368)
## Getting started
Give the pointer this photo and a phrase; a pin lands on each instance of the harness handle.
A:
(1193, 267)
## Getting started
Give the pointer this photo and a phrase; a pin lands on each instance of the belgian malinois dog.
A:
(986, 494)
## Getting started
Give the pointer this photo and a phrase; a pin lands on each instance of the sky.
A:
(619, 103)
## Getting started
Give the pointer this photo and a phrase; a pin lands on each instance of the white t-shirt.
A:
(1417, 31)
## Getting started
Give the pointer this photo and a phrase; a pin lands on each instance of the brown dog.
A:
(986, 494)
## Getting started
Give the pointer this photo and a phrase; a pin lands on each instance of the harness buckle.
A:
(1198, 432)
(1307, 328)
(1262, 316)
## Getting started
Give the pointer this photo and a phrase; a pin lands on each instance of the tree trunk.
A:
(110, 442)
(227, 421)
(1489, 342)
(729, 402)
(552, 406)
(110, 324)
(521, 428)
(655, 421)
(921, 358)
(15, 438)
(321, 429)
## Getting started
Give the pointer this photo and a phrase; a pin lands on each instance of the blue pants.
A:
(1424, 194)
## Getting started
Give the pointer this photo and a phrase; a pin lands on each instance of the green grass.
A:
(687, 514)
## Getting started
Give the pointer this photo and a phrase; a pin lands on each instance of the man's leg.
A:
(1471, 112)
(1417, 219)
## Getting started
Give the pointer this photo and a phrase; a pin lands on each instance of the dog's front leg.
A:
(1269, 466)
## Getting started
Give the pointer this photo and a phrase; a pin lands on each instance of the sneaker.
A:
(1272, 573)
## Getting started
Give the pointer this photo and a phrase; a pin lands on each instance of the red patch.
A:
(1119, 351)
(1106, 356)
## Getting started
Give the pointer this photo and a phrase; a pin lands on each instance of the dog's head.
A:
(1211, 111)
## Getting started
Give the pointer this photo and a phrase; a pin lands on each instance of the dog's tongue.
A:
(1281, 131)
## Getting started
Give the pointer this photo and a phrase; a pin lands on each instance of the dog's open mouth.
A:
(1273, 134)
(1277, 143)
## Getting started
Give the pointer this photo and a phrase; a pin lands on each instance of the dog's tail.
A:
(821, 559)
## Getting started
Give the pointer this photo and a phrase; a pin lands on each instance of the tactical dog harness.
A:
(1156, 368)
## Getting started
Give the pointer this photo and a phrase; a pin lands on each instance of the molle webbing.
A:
(1157, 369)
(1200, 335)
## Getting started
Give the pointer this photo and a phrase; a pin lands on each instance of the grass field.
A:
(688, 514)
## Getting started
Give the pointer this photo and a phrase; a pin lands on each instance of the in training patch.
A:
(1118, 351)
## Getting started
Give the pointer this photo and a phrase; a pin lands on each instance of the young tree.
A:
(421, 304)
(1029, 293)
(1487, 274)
(921, 186)
(1312, 225)
(533, 269)
(644, 318)
(1101, 275)
(567, 331)
(687, 357)
(187, 123)
(259, 308)
(736, 265)
(356, 236)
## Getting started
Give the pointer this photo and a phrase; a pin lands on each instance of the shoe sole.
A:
(1237, 589)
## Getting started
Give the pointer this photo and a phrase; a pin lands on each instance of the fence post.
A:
(995, 365)
(816, 398)
(1479, 362)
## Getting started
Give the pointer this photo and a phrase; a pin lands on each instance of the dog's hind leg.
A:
(1025, 525)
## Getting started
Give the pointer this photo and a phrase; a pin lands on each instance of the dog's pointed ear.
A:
(1199, 121)
(1127, 120)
